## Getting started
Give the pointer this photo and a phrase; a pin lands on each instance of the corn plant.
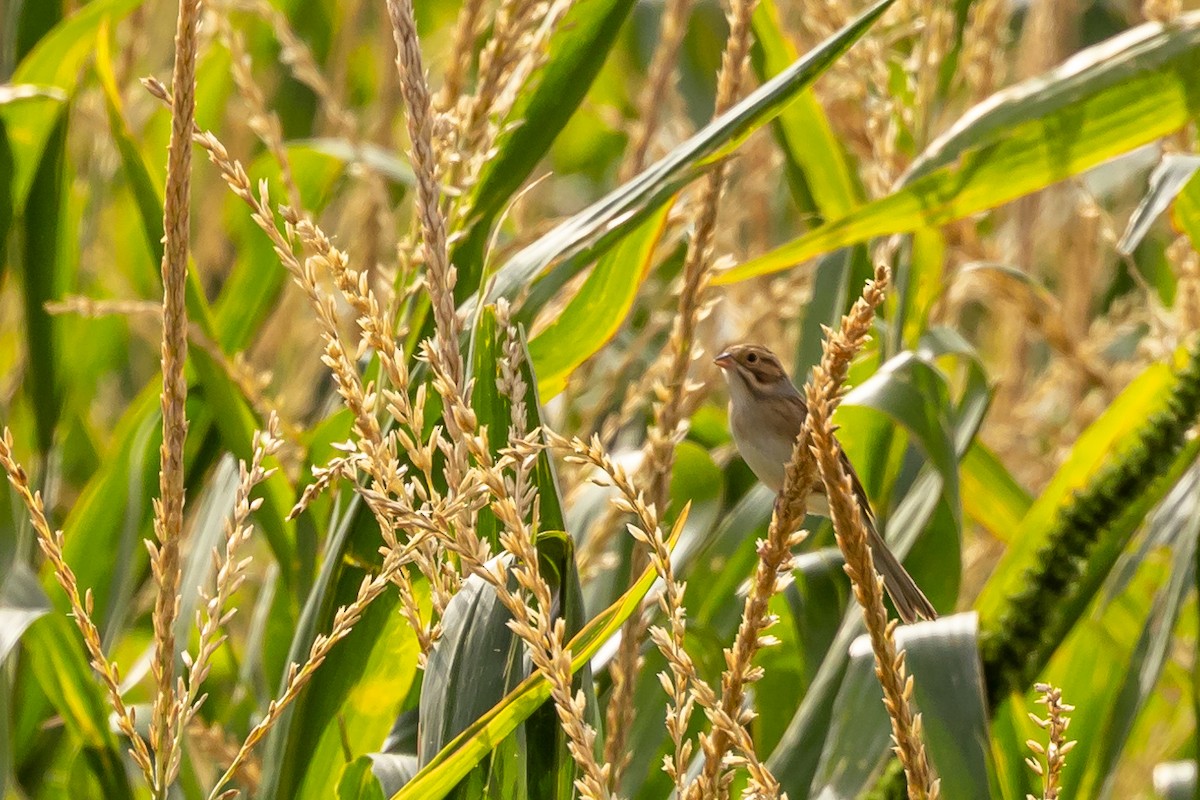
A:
(363, 438)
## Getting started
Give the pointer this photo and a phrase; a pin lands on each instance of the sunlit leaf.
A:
(596, 311)
(584, 237)
(1123, 416)
(1100, 103)
(990, 494)
(441, 774)
(354, 698)
(54, 63)
(1142, 642)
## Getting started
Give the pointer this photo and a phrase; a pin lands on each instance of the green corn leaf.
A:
(943, 660)
(358, 782)
(54, 653)
(586, 236)
(991, 496)
(356, 693)
(22, 602)
(1120, 420)
(54, 62)
(1102, 102)
(802, 128)
(1186, 211)
(46, 269)
(595, 313)
(1141, 625)
(453, 763)
(6, 200)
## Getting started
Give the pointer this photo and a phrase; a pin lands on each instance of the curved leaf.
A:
(1141, 398)
(596, 312)
(943, 660)
(1102, 102)
(584, 237)
(444, 772)
(1169, 178)
(54, 62)
(1142, 641)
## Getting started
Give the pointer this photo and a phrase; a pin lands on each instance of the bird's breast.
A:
(765, 450)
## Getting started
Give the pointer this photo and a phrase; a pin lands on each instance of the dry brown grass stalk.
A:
(497, 58)
(852, 538)
(510, 497)
(1161, 10)
(440, 273)
(1055, 751)
(299, 675)
(336, 356)
(933, 42)
(679, 679)
(262, 120)
(984, 42)
(467, 30)
(531, 621)
(677, 394)
(651, 101)
(477, 117)
(373, 452)
(51, 544)
(218, 747)
(517, 47)
(297, 56)
(168, 517)
(230, 571)
(442, 352)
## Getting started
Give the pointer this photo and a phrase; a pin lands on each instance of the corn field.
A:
(366, 398)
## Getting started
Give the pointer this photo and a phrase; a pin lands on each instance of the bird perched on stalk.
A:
(766, 413)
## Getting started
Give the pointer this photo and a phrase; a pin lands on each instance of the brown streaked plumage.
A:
(766, 413)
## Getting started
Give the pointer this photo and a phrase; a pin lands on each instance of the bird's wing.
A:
(796, 421)
(860, 493)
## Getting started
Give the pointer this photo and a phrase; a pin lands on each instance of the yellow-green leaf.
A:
(1104, 101)
(596, 312)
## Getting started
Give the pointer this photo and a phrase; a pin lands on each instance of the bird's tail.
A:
(911, 602)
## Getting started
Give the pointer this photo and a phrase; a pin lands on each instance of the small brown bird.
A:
(766, 413)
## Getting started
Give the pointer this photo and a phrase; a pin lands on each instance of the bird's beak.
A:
(724, 361)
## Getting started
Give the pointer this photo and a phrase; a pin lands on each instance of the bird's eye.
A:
(751, 358)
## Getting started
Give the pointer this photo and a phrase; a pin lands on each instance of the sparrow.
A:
(766, 413)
